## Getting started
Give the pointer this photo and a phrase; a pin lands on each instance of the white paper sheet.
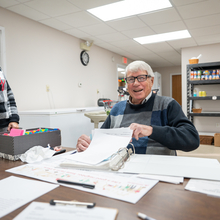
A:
(204, 186)
(168, 179)
(191, 167)
(16, 192)
(44, 211)
(105, 143)
(114, 185)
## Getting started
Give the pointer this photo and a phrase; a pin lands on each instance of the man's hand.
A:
(83, 143)
(13, 125)
(140, 130)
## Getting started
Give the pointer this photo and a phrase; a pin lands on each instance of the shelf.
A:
(191, 84)
(204, 82)
(203, 98)
(204, 66)
(205, 114)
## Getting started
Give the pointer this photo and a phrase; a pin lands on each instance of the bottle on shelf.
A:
(195, 92)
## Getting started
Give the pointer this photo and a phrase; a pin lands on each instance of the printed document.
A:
(16, 192)
(204, 186)
(105, 143)
(44, 211)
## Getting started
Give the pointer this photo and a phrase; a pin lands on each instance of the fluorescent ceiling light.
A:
(123, 72)
(163, 37)
(128, 8)
(120, 69)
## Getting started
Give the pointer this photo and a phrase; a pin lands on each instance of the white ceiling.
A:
(200, 17)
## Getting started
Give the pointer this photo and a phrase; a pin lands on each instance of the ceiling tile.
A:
(112, 37)
(55, 24)
(88, 4)
(185, 2)
(139, 32)
(79, 19)
(53, 8)
(205, 21)
(77, 33)
(199, 9)
(178, 44)
(172, 56)
(28, 12)
(159, 47)
(8, 3)
(125, 43)
(205, 31)
(169, 27)
(97, 29)
(127, 23)
(23, 1)
(156, 58)
(208, 39)
(160, 17)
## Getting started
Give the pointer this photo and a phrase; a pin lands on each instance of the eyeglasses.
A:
(140, 78)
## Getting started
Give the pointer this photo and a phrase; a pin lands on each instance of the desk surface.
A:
(203, 151)
(163, 202)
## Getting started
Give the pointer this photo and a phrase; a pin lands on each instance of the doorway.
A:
(2, 50)
(176, 87)
(121, 84)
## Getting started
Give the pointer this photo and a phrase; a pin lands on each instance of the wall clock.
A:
(84, 57)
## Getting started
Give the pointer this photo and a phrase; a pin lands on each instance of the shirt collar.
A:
(144, 101)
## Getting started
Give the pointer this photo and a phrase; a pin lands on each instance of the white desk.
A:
(203, 151)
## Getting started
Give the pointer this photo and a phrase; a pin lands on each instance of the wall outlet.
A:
(218, 125)
(47, 88)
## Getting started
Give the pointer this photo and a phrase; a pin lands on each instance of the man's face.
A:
(139, 90)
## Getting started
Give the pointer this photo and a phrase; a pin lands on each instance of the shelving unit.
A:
(192, 83)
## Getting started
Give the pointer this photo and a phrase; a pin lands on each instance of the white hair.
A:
(139, 65)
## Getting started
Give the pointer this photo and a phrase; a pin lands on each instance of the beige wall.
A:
(37, 55)
(210, 53)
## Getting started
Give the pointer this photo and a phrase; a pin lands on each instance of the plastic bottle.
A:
(194, 92)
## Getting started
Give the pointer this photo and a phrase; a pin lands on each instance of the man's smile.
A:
(140, 90)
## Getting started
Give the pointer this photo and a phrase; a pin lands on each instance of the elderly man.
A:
(158, 122)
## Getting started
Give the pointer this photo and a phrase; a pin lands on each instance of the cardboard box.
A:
(206, 139)
(12, 147)
(217, 139)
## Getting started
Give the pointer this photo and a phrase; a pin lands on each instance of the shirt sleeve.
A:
(12, 107)
(179, 133)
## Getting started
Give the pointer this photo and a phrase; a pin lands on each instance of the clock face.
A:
(84, 57)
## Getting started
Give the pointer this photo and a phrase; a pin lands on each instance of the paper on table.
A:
(16, 192)
(169, 179)
(39, 210)
(191, 167)
(103, 145)
(204, 186)
(114, 185)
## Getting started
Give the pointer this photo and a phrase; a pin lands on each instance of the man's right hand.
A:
(83, 143)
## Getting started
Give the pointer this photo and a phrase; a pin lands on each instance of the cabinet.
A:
(71, 121)
(215, 94)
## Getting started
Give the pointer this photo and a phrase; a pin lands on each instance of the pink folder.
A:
(16, 132)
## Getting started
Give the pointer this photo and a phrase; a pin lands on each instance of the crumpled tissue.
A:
(36, 154)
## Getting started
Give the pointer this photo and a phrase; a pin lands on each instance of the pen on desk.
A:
(85, 185)
(87, 204)
(145, 217)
